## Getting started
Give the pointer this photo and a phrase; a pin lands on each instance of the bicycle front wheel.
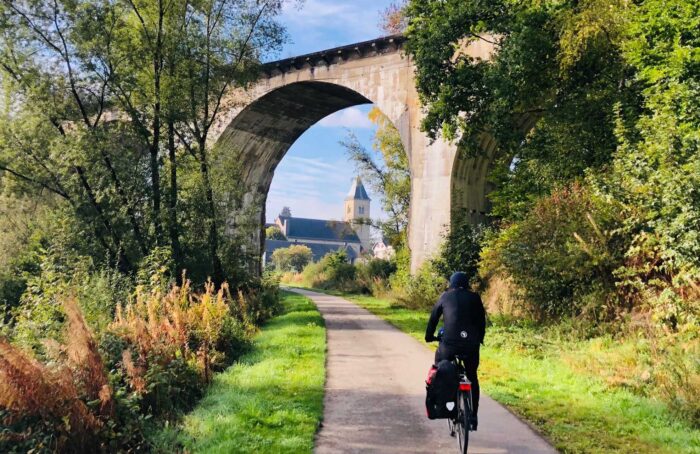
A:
(463, 417)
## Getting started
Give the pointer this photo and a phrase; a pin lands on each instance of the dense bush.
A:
(423, 289)
(461, 247)
(372, 276)
(562, 255)
(332, 271)
(274, 233)
(292, 258)
(64, 405)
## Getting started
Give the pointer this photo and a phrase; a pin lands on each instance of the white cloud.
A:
(312, 164)
(347, 118)
(313, 14)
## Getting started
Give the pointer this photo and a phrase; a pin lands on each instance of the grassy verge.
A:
(536, 375)
(271, 401)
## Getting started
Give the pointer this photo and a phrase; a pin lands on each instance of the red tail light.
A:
(431, 375)
(465, 386)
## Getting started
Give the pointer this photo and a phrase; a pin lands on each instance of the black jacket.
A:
(464, 317)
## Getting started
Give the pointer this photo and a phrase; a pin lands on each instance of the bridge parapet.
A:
(335, 55)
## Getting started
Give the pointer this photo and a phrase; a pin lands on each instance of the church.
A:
(323, 236)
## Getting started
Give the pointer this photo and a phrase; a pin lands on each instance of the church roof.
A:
(357, 191)
(318, 229)
(317, 250)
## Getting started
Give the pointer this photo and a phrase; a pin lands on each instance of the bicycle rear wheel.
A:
(463, 421)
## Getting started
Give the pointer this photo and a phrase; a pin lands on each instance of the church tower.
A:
(357, 212)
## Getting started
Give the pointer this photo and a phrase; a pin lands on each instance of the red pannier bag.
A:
(441, 390)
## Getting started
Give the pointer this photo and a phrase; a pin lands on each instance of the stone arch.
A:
(470, 185)
(260, 135)
(259, 125)
(470, 174)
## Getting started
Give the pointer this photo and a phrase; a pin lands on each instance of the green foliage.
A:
(161, 348)
(375, 269)
(93, 103)
(656, 170)
(40, 314)
(292, 258)
(461, 248)
(21, 241)
(422, 290)
(372, 276)
(546, 95)
(331, 272)
(262, 301)
(562, 255)
(600, 93)
(274, 233)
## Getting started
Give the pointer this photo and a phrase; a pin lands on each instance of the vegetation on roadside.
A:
(269, 401)
(100, 391)
(110, 189)
(292, 258)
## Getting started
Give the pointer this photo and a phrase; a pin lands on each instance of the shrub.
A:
(262, 301)
(332, 272)
(373, 275)
(561, 255)
(41, 314)
(62, 407)
(274, 233)
(172, 343)
(461, 248)
(423, 290)
(161, 350)
(292, 258)
(678, 374)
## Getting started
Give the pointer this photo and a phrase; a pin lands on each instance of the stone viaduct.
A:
(260, 125)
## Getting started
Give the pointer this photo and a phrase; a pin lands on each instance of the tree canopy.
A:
(108, 111)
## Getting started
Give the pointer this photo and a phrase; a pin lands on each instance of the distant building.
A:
(357, 213)
(383, 250)
(324, 236)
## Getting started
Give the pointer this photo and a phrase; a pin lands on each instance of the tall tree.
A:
(389, 176)
(122, 85)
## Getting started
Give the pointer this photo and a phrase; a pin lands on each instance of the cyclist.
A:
(465, 326)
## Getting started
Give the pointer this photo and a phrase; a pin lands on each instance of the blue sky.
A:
(315, 175)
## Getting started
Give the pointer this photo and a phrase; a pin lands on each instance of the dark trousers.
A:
(471, 364)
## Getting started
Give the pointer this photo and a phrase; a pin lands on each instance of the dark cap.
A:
(459, 280)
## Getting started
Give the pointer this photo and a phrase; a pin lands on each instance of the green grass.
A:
(578, 412)
(271, 401)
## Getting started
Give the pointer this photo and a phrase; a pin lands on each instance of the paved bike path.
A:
(375, 393)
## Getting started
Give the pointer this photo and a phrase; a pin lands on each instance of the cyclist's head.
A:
(459, 280)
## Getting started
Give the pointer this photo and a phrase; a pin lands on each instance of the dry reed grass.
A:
(57, 394)
(177, 324)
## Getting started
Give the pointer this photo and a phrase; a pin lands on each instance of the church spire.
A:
(357, 212)
(357, 190)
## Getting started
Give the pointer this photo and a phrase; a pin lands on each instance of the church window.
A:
(362, 210)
